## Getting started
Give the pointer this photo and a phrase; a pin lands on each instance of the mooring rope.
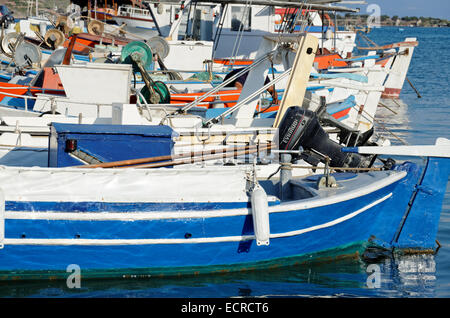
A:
(335, 168)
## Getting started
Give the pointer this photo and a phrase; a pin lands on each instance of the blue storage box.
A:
(78, 144)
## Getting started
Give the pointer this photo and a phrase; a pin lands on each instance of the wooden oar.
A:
(131, 162)
(229, 154)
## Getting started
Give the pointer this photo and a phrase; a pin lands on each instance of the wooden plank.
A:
(391, 46)
(440, 149)
(296, 87)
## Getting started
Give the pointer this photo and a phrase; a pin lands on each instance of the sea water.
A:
(411, 120)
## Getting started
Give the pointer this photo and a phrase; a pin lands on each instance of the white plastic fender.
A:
(260, 214)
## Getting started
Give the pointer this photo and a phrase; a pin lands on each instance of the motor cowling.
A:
(301, 128)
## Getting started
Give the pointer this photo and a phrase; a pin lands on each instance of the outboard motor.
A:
(301, 128)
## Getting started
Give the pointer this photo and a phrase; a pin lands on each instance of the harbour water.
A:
(412, 120)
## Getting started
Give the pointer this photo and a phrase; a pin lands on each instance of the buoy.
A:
(260, 214)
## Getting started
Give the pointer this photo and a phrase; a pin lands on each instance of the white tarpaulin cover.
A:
(220, 184)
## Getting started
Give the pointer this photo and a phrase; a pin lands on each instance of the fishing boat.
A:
(343, 102)
(262, 18)
(98, 102)
(145, 222)
(199, 86)
(159, 211)
(91, 98)
(203, 50)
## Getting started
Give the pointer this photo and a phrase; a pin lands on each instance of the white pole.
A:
(440, 149)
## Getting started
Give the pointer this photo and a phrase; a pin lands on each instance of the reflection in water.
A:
(289, 281)
(392, 120)
(404, 276)
(408, 276)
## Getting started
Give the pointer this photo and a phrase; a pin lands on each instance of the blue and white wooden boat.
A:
(208, 219)
(150, 222)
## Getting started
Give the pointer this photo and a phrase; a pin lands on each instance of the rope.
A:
(224, 83)
(382, 126)
(336, 168)
(290, 166)
(286, 166)
(387, 107)
(305, 21)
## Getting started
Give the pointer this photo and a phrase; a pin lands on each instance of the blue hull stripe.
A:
(42, 206)
(183, 240)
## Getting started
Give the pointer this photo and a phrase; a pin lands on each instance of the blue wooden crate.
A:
(76, 144)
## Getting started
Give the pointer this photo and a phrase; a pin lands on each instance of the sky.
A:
(426, 8)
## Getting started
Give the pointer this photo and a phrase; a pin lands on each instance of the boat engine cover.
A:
(301, 128)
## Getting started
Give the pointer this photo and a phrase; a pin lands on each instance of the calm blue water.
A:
(415, 121)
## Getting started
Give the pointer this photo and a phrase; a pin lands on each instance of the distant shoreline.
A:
(413, 27)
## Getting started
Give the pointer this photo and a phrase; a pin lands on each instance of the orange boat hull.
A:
(229, 98)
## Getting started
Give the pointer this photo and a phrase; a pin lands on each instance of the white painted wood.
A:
(255, 80)
(301, 69)
(400, 66)
(188, 55)
(440, 149)
(96, 83)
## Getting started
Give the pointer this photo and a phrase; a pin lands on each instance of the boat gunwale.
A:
(283, 207)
